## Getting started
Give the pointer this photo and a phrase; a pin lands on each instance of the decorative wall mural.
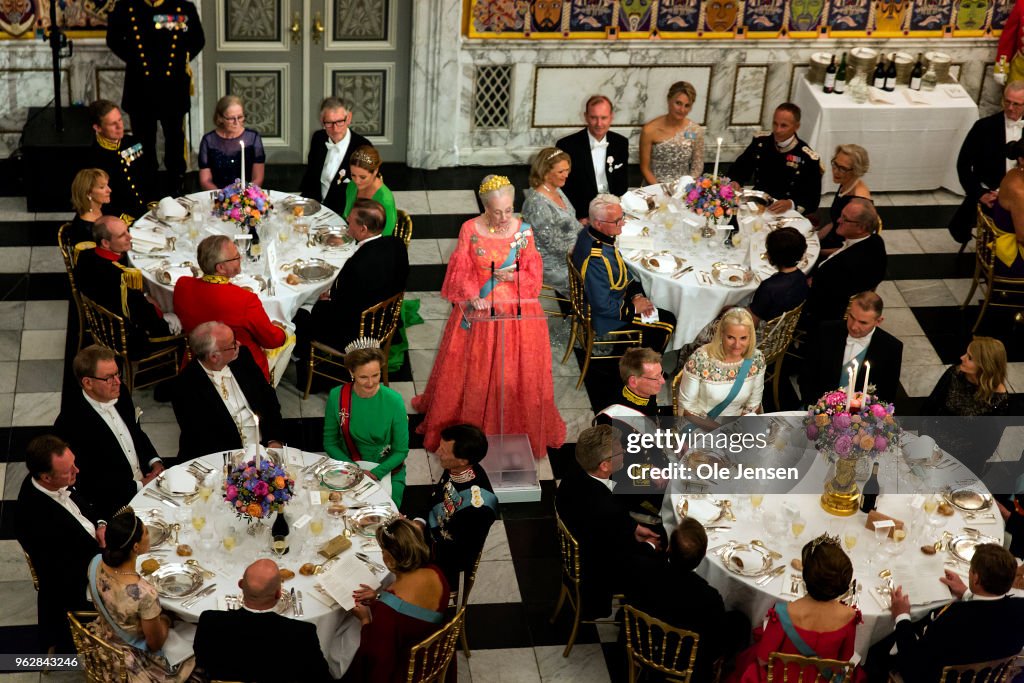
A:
(716, 19)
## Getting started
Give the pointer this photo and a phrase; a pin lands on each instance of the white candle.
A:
(849, 387)
(241, 143)
(256, 420)
(867, 373)
(718, 154)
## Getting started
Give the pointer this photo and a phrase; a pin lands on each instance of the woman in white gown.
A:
(725, 377)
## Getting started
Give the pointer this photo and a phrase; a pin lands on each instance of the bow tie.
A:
(331, 145)
(64, 493)
(1017, 125)
(598, 145)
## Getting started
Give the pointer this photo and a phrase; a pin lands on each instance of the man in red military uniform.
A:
(213, 297)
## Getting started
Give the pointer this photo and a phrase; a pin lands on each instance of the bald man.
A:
(216, 642)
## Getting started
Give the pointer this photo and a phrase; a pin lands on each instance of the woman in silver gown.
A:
(551, 214)
(672, 145)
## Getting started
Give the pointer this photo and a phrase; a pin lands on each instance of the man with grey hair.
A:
(216, 635)
(327, 166)
(617, 302)
(607, 535)
(221, 399)
(982, 162)
(214, 297)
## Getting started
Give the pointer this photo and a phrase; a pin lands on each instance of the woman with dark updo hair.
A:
(130, 614)
(816, 625)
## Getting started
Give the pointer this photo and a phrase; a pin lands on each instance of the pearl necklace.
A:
(121, 573)
(544, 185)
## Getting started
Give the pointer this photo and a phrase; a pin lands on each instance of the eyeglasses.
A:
(233, 347)
(112, 379)
(1011, 103)
(616, 454)
(335, 124)
(618, 221)
(837, 167)
(658, 378)
(229, 260)
(234, 119)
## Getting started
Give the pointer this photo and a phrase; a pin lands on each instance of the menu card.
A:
(344, 576)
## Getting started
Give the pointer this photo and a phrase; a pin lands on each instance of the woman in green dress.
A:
(367, 183)
(365, 421)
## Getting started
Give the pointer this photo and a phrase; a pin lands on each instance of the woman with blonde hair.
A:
(368, 183)
(672, 145)
(849, 164)
(220, 150)
(725, 377)
(90, 191)
(551, 214)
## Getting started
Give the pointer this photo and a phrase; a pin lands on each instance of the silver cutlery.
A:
(165, 501)
(189, 602)
(295, 604)
(773, 574)
(200, 465)
(682, 272)
(313, 466)
(374, 566)
(775, 555)
(302, 612)
(720, 550)
(233, 602)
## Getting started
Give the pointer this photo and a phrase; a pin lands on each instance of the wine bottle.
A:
(890, 75)
(830, 76)
(916, 74)
(878, 80)
(841, 77)
(871, 491)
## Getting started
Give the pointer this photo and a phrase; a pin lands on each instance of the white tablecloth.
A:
(694, 302)
(337, 629)
(911, 146)
(287, 299)
(744, 594)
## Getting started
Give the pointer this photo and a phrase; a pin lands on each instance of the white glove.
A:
(173, 322)
(1000, 78)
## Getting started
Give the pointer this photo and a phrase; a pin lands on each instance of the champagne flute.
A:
(931, 505)
(279, 545)
(798, 525)
(756, 499)
(198, 520)
(850, 537)
(316, 525)
(206, 489)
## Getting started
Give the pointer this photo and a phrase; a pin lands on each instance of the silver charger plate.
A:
(309, 206)
(312, 270)
(342, 476)
(701, 508)
(159, 530)
(744, 559)
(969, 500)
(177, 580)
(962, 547)
(165, 486)
(731, 274)
(164, 277)
(368, 519)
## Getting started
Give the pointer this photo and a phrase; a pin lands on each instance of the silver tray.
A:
(324, 235)
(159, 530)
(261, 284)
(342, 476)
(368, 519)
(704, 509)
(311, 270)
(164, 277)
(757, 561)
(962, 547)
(177, 580)
(969, 500)
(731, 274)
(309, 206)
(165, 486)
(656, 263)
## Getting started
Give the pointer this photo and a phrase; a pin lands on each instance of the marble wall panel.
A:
(109, 84)
(30, 86)
(748, 94)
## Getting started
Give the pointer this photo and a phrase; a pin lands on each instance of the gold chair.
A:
(32, 571)
(429, 659)
(467, 587)
(403, 227)
(825, 670)
(103, 662)
(1005, 288)
(675, 393)
(548, 293)
(773, 341)
(992, 671)
(583, 329)
(70, 254)
(379, 321)
(108, 329)
(654, 644)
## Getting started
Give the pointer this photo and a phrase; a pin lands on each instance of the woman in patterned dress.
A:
(672, 145)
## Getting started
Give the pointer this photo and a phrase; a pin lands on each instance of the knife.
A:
(164, 496)
(716, 526)
(152, 495)
(370, 563)
(199, 596)
(778, 571)
(295, 604)
(682, 272)
(302, 612)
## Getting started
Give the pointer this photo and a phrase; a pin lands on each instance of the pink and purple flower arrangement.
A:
(865, 427)
(256, 491)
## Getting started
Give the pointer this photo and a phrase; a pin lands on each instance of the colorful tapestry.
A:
(79, 18)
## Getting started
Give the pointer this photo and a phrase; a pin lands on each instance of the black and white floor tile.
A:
(507, 620)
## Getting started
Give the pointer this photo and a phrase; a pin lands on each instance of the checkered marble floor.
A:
(507, 620)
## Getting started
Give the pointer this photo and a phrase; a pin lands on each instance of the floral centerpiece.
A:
(712, 197)
(848, 426)
(256, 490)
(245, 206)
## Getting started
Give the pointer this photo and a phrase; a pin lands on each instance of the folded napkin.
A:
(955, 90)
(179, 481)
(170, 208)
(681, 184)
(146, 240)
(634, 203)
(247, 282)
(876, 96)
(914, 97)
(627, 242)
(920, 448)
(172, 274)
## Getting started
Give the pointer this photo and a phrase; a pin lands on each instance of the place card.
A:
(315, 498)
(301, 521)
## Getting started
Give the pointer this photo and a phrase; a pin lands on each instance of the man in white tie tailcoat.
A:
(327, 166)
(600, 158)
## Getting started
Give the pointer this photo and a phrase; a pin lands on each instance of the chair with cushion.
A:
(773, 342)
(583, 328)
(403, 227)
(138, 370)
(103, 662)
(655, 645)
(1008, 291)
(379, 321)
(70, 254)
(811, 669)
(429, 659)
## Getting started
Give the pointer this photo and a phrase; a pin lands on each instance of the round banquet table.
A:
(696, 297)
(281, 301)
(337, 629)
(899, 499)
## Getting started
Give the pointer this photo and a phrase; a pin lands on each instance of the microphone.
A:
(519, 300)
(494, 284)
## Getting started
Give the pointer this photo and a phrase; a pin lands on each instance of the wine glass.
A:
(198, 519)
(279, 545)
(206, 488)
(775, 525)
(850, 536)
(881, 536)
(797, 525)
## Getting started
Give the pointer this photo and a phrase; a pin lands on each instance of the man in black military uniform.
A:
(156, 39)
(121, 157)
(782, 165)
(463, 504)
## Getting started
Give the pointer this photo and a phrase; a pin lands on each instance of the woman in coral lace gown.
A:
(816, 625)
(466, 381)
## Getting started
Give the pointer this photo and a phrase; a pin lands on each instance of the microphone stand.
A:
(519, 299)
(57, 42)
(493, 287)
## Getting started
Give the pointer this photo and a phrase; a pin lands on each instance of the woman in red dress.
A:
(816, 625)
(495, 268)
